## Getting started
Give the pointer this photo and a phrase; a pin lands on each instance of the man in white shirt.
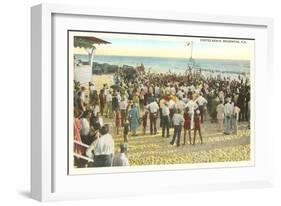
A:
(173, 90)
(185, 89)
(177, 122)
(201, 101)
(165, 120)
(157, 91)
(85, 128)
(167, 90)
(180, 94)
(192, 88)
(228, 111)
(192, 106)
(150, 89)
(153, 111)
(185, 99)
(109, 104)
(171, 104)
(91, 87)
(145, 89)
(97, 121)
(153, 107)
(180, 104)
(83, 98)
(102, 149)
(105, 89)
(123, 108)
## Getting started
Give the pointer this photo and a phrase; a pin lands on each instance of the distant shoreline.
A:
(162, 57)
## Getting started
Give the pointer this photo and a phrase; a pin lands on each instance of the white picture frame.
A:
(49, 179)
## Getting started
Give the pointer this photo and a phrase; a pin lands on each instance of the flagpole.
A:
(189, 44)
(191, 47)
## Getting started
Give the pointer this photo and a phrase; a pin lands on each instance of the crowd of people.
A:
(169, 100)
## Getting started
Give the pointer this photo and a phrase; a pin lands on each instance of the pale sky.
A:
(170, 46)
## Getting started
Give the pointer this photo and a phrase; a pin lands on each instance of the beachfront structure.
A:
(190, 45)
(83, 71)
(192, 65)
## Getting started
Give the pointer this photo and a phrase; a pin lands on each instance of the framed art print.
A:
(183, 75)
(120, 99)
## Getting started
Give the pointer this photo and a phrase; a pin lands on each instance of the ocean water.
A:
(179, 65)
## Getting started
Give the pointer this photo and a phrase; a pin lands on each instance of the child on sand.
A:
(120, 159)
(197, 126)
(126, 130)
(144, 121)
(187, 125)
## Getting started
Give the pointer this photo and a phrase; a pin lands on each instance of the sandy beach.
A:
(154, 149)
(100, 79)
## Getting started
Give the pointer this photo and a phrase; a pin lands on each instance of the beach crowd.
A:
(175, 104)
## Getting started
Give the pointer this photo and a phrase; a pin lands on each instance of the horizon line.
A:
(162, 57)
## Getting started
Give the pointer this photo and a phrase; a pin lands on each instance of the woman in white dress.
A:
(220, 115)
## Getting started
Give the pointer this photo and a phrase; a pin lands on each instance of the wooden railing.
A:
(82, 156)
